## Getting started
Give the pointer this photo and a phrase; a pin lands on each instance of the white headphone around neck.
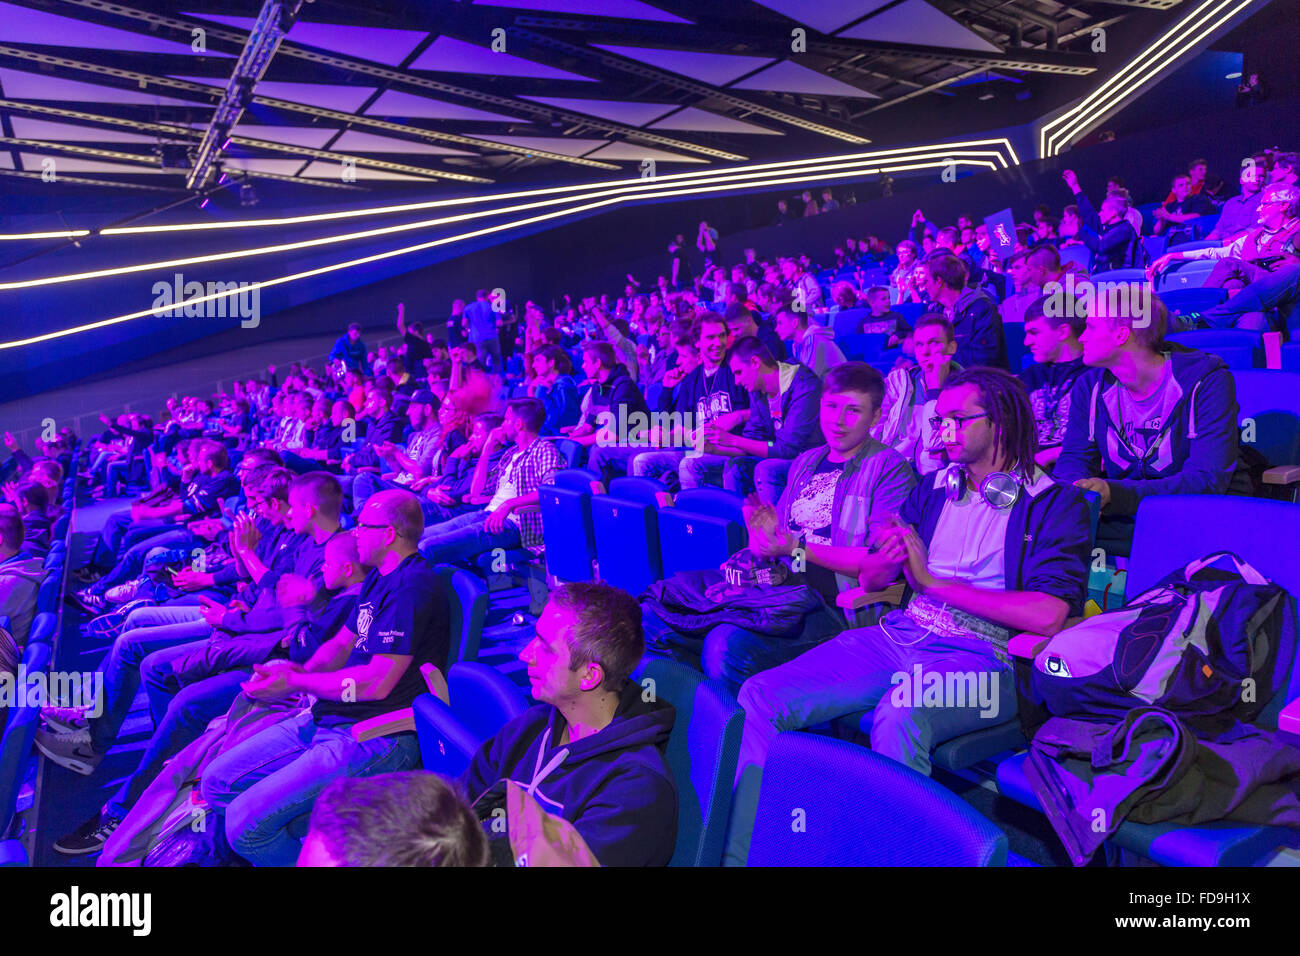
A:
(998, 488)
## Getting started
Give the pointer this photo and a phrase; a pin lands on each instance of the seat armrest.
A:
(597, 488)
(663, 499)
(1027, 646)
(855, 598)
(1288, 721)
(436, 683)
(384, 725)
(1282, 475)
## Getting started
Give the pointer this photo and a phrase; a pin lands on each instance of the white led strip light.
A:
(919, 162)
(879, 155)
(632, 191)
(1206, 18)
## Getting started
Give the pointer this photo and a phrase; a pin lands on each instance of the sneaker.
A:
(90, 837)
(86, 575)
(124, 592)
(64, 720)
(70, 750)
(88, 601)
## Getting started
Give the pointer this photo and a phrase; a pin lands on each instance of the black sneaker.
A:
(88, 601)
(90, 837)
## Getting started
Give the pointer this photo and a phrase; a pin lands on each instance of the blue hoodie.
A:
(615, 786)
(1196, 452)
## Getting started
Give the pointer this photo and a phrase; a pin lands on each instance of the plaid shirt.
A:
(537, 465)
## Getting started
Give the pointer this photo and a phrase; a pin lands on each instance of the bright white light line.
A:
(812, 173)
(900, 152)
(103, 323)
(69, 234)
(1081, 121)
(1084, 111)
(1082, 114)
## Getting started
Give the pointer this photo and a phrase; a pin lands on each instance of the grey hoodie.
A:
(20, 579)
(818, 350)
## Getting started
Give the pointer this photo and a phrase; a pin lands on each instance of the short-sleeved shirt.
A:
(811, 514)
(201, 495)
(417, 350)
(405, 613)
(1141, 422)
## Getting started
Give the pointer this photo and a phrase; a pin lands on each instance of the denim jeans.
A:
(1280, 290)
(272, 778)
(733, 654)
(145, 630)
(464, 537)
(180, 715)
(701, 471)
(867, 668)
(131, 564)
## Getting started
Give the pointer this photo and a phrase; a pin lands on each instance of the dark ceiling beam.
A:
(800, 119)
(1143, 4)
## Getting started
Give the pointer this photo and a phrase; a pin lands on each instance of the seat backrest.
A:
(1121, 275)
(483, 698)
(1269, 413)
(849, 321)
(1172, 530)
(20, 731)
(570, 451)
(576, 479)
(910, 311)
(1194, 244)
(43, 627)
(639, 490)
(826, 802)
(714, 502)
(470, 596)
(702, 752)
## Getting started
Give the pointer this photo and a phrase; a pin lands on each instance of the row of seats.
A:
(23, 719)
(857, 808)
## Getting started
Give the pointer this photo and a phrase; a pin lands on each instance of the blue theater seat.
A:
(1121, 275)
(849, 321)
(702, 752)
(567, 524)
(19, 732)
(1172, 530)
(1291, 357)
(44, 626)
(862, 346)
(1183, 301)
(468, 598)
(1078, 255)
(910, 311)
(1016, 351)
(1187, 274)
(482, 702)
(702, 528)
(1268, 404)
(826, 802)
(573, 453)
(626, 526)
(1240, 348)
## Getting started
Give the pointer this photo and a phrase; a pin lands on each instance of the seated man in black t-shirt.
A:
(369, 668)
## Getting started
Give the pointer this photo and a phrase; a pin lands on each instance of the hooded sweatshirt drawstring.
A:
(1191, 411)
(540, 773)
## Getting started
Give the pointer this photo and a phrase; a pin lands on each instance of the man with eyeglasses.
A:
(1254, 266)
(988, 546)
(369, 668)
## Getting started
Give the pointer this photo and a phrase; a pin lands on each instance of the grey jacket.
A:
(873, 486)
(20, 579)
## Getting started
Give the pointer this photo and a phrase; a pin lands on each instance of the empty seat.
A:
(849, 321)
(702, 751)
(1121, 275)
(1240, 348)
(468, 600)
(702, 528)
(1185, 300)
(826, 802)
(1080, 256)
(626, 527)
(482, 701)
(567, 524)
(1187, 274)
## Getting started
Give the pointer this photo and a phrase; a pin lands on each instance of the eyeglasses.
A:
(954, 422)
(377, 527)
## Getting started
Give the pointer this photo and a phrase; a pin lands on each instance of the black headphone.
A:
(999, 489)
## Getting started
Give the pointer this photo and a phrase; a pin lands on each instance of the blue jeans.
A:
(131, 564)
(180, 715)
(464, 537)
(145, 630)
(272, 778)
(733, 654)
(1280, 290)
(868, 668)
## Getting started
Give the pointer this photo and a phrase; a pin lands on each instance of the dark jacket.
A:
(978, 328)
(1048, 537)
(800, 429)
(616, 391)
(1113, 246)
(615, 786)
(1196, 453)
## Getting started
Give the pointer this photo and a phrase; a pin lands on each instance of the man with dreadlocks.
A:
(989, 546)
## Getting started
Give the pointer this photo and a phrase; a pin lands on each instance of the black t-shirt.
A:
(404, 612)
(417, 350)
(684, 274)
(1049, 385)
(201, 495)
(455, 330)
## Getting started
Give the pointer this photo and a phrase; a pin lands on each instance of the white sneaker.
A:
(124, 592)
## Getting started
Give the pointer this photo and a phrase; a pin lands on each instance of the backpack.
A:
(1203, 643)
